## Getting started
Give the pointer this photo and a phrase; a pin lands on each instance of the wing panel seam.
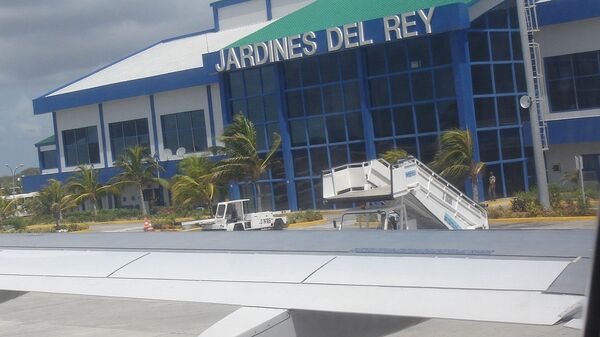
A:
(316, 270)
(128, 263)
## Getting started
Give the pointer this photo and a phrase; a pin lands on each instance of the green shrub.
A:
(304, 216)
(18, 224)
(74, 227)
(524, 201)
(103, 215)
(182, 212)
(166, 223)
(500, 212)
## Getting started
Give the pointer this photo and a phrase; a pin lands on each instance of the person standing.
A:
(492, 186)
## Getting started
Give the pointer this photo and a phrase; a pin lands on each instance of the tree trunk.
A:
(475, 188)
(57, 218)
(142, 202)
(258, 197)
(94, 206)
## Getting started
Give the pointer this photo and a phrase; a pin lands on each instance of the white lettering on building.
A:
(351, 35)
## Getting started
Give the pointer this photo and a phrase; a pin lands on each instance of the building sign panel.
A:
(352, 35)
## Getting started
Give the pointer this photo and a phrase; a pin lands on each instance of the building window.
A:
(48, 160)
(128, 134)
(498, 79)
(184, 129)
(573, 81)
(412, 95)
(255, 93)
(81, 146)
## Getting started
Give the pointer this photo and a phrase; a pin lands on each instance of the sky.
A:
(45, 44)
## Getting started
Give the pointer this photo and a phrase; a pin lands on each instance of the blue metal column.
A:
(461, 68)
(213, 135)
(154, 126)
(364, 106)
(102, 131)
(269, 10)
(57, 141)
(286, 143)
(234, 188)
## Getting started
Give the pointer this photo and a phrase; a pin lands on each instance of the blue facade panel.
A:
(578, 130)
(561, 11)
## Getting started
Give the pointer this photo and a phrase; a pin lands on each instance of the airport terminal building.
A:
(342, 81)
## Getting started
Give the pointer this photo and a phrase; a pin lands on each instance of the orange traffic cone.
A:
(147, 225)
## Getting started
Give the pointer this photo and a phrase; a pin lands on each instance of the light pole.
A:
(14, 172)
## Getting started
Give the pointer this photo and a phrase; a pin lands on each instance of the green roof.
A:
(323, 14)
(47, 141)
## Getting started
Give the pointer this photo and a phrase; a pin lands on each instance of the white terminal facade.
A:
(395, 75)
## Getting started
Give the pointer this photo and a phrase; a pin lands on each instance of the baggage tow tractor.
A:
(231, 216)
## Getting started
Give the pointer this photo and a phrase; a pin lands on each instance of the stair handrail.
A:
(471, 203)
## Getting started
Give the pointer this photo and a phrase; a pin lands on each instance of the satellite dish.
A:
(180, 152)
(525, 102)
(168, 153)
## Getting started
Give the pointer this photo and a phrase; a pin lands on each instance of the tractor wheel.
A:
(278, 225)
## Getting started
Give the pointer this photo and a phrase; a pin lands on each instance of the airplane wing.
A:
(525, 276)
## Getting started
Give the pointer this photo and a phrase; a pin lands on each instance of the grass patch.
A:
(304, 216)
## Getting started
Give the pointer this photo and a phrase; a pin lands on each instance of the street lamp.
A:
(14, 172)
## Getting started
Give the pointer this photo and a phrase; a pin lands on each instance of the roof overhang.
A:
(138, 87)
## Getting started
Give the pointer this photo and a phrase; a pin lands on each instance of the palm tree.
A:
(7, 207)
(194, 185)
(242, 160)
(54, 199)
(455, 158)
(85, 186)
(392, 156)
(138, 170)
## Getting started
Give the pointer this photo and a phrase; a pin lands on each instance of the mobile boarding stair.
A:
(408, 180)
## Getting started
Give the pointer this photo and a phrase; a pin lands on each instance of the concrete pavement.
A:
(38, 314)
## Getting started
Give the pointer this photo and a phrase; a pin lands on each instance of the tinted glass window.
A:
(484, 112)
(440, 49)
(376, 60)
(448, 115)
(500, 43)
(478, 46)
(488, 145)
(294, 103)
(422, 85)
(511, 143)
(503, 78)
(507, 110)
(426, 121)
(400, 88)
(336, 130)
(128, 134)
(312, 101)
(81, 146)
(418, 53)
(397, 57)
(184, 129)
(482, 79)
(403, 120)
(378, 90)
(291, 71)
(381, 123)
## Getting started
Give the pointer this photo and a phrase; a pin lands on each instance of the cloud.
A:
(45, 44)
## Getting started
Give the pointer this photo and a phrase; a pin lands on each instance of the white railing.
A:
(447, 203)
